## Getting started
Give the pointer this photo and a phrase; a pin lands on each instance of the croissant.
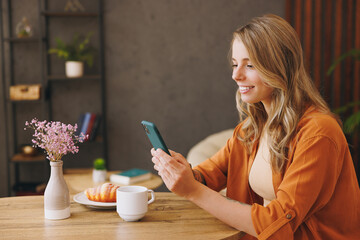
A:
(103, 193)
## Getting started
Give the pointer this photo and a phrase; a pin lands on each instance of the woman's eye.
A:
(234, 65)
(249, 66)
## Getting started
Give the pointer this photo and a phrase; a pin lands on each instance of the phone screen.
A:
(154, 136)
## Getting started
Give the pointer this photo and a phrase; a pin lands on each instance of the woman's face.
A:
(251, 87)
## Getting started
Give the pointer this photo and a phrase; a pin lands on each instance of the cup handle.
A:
(152, 196)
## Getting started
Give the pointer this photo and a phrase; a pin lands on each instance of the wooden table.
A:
(169, 217)
(78, 180)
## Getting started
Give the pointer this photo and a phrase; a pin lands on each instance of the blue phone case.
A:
(154, 136)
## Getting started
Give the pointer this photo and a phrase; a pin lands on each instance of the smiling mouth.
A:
(245, 89)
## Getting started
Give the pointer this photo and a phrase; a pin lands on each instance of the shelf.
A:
(22, 40)
(69, 14)
(29, 188)
(25, 101)
(64, 78)
(26, 158)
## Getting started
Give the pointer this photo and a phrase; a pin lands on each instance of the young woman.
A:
(287, 168)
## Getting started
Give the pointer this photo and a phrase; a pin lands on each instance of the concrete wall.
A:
(166, 62)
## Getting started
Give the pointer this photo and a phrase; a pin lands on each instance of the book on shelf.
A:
(88, 124)
(95, 128)
(85, 123)
(130, 176)
(79, 124)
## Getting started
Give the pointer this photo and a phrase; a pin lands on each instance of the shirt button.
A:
(288, 216)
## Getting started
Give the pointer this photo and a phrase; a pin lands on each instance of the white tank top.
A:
(260, 177)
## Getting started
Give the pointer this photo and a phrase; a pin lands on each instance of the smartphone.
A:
(154, 136)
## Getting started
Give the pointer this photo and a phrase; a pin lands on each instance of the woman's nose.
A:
(237, 74)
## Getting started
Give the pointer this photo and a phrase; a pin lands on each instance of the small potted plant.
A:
(23, 29)
(99, 171)
(75, 54)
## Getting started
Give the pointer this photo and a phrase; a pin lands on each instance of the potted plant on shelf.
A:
(99, 171)
(23, 29)
(75, 54)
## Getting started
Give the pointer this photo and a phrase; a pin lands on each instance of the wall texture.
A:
(166, 62)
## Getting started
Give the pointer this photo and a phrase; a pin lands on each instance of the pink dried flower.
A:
(56, 138)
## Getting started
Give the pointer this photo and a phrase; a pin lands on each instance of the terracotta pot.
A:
(56, 196)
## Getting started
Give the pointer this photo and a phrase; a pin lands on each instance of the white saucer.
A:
(82, 199)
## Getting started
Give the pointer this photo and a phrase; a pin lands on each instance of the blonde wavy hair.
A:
(276, 53)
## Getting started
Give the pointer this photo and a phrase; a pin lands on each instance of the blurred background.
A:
(164, 61)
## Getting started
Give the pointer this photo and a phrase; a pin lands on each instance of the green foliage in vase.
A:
(79, 49)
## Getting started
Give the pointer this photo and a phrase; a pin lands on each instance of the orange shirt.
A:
(317, 194)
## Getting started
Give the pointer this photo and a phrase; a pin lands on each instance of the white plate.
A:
(82, 199)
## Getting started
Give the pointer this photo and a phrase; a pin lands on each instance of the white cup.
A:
(132, 202)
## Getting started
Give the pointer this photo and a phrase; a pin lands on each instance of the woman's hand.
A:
(178, 177)
(175, 172)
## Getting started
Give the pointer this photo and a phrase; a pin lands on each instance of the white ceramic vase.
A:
(56, 196)
(74, 69)
(99, 176)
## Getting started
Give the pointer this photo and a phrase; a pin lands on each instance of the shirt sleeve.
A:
(215, 169)
(307, 186)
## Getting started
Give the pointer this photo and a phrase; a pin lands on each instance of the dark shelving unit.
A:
(21, 40)
(70, 14)
(64, 78)
(47, 81)
(52, 81)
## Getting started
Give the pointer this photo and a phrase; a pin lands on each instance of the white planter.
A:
(99, 176)
(74, 69)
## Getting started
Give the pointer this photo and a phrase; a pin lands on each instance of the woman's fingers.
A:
(165, 160)
(160, 153)
(152, 151)
(174, 170)
(156, 167)
(179, 157)
(161, 164)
